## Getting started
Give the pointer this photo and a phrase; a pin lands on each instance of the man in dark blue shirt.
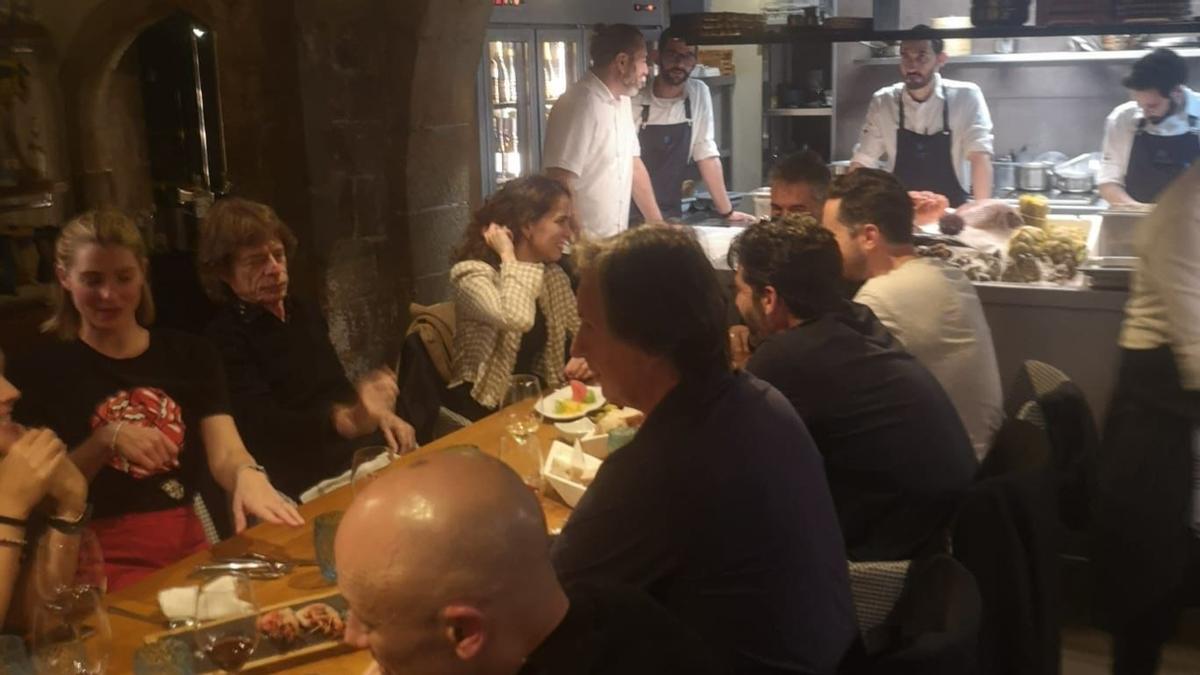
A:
(896, 454)
(718, 507)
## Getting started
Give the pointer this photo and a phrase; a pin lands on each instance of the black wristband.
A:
(69, 527)
(15, 522)
(727, 213)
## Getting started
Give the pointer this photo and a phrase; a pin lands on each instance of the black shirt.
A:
(284, 380)
(533, 343)
(619, 631)
(719, 509)
(173, 385)
(896, 454)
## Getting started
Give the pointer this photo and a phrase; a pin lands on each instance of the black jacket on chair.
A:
(1006, 535)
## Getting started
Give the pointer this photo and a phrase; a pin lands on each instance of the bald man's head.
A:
(445, 565)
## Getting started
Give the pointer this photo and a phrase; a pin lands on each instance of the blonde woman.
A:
(144, 410)
(514, 307)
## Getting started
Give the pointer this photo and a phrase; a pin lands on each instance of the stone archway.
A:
(355, 119)
(103, 38)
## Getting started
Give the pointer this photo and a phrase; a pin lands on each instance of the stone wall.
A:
(355, 119)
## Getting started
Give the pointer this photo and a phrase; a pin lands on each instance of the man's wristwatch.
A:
(727, 213)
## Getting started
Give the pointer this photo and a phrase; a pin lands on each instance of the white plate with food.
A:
(571, 402)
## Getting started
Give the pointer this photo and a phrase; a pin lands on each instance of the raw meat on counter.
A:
(987, 224)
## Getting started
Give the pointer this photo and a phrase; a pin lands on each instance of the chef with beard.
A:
(674, 118)
(1151, 140)
(933, 133)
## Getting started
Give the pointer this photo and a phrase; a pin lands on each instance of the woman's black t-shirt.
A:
(173, 385)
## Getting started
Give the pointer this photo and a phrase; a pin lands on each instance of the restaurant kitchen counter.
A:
(1072, 329)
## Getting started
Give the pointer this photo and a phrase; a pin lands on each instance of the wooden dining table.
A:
(293, 543)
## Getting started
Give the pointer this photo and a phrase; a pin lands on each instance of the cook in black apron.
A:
(666, 150)
(925, 161)
(1155, 161)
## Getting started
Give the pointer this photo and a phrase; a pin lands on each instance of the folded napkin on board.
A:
(330, 484)
(220, 600)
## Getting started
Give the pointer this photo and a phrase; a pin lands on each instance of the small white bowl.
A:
(570, 491)
(580, 428)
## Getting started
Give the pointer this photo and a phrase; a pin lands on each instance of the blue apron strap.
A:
(645, 116)
(687, 109)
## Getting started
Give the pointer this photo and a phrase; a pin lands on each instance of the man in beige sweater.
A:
(1147, 555)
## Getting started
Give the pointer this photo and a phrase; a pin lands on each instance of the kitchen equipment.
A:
(839, 168)
(999, 12)
(1078, 174)
(954, 46)
(1004, 174)
(883, 50)
(1152, 10)
(1033, 176)
(1109, 273)
(1115, 237)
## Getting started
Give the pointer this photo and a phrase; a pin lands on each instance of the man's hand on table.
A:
(400, 435)
(253, 495)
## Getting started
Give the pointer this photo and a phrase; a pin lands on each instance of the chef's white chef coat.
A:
(970, 123)
(1122, 126)
(591, 134)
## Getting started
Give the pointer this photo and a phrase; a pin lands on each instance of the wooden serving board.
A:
(270, 655)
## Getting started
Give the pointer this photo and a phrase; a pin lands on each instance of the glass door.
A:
(507, 100)
(559, 66)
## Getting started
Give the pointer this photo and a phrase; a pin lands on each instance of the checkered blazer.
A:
(494, 309)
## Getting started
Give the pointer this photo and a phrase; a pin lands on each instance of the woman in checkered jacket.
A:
(514, 307)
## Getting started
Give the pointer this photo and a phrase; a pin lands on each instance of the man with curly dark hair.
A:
(896, 454)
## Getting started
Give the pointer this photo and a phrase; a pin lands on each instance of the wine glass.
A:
(363, 467)
(523, 455)
(69, 565)
(525, 390)
(226, 622)
(71, 636)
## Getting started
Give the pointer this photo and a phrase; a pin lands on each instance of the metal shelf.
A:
(719, 80)
(799, 112)
(1038, 57)
(789, 34)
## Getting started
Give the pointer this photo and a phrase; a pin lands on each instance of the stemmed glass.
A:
(72, 635)
(361, 475)
(523, 422)
(524, 456)
(226, 629)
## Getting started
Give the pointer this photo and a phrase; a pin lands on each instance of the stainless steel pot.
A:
(1033, 176)
(1079, 174)
(1076, 183)
(839, 168)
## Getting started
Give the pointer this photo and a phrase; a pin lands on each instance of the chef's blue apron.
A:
(925, 161)
(1155, 161)
(666, 149)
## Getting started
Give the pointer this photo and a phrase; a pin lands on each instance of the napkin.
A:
(330, 484)
(220, 600)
